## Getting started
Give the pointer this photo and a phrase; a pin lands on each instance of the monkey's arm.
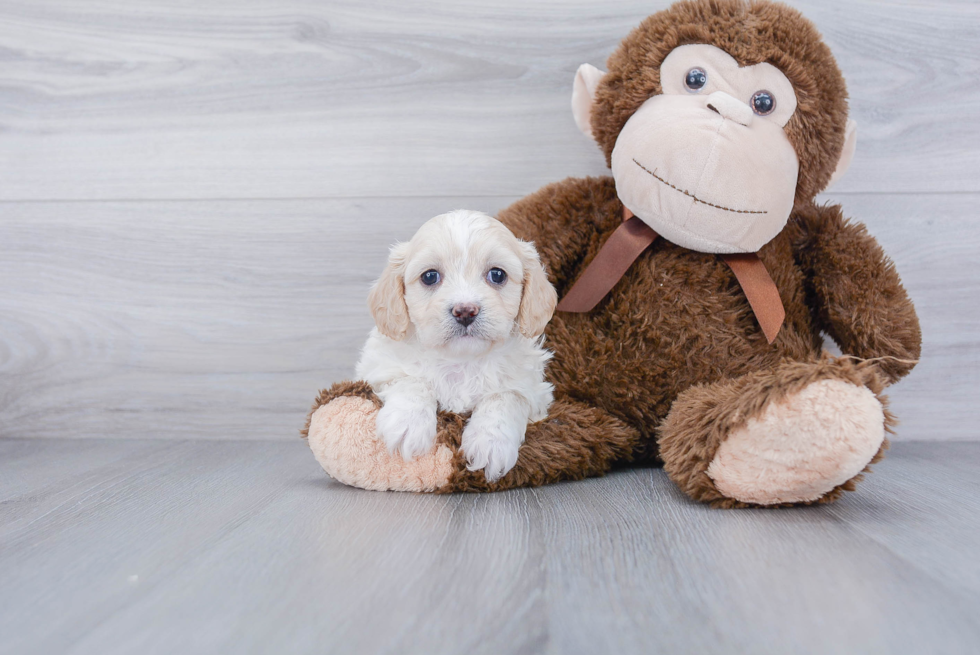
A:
(854, 291)
(566, 221)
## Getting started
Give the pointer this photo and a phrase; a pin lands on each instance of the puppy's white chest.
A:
(454, 376)
(459, 387)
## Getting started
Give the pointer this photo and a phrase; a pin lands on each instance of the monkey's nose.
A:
(465, 313)
(730, 108)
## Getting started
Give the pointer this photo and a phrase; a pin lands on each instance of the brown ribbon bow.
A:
(634, 236)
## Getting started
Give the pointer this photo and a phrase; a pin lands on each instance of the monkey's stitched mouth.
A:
(694, 197)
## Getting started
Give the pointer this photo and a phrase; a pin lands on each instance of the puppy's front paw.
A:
(408, 426)
(491, 447)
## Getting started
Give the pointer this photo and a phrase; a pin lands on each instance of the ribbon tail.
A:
(612, 261)
(760, 290)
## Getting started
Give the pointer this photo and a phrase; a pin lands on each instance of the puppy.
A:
(460, 310)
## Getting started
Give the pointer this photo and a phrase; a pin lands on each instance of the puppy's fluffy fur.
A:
(465, 343)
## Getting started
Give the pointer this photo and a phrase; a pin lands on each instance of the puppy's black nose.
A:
(465, 313)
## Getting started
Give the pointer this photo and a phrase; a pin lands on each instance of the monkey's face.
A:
(717, 118)
(707, 164)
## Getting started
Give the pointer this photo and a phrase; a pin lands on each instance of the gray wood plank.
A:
(922, 510)
(220, 320)
(38, 480)
(248, 547)
(144, 518)
(298, 99)
(676, 577)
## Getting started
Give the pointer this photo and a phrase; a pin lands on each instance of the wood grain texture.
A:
(111, 99)
(203, 547)
(221, 320)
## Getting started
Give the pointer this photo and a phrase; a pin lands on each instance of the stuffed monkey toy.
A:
(696, 282)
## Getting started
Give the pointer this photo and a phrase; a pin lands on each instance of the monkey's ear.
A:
(583, 93)
(386, 299)
(847, 154)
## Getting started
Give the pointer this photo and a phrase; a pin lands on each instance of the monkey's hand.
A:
(860, 300)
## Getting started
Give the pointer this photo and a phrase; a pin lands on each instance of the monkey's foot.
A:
(343, 438)
(575, 442)
(801, 448)
(800, 434)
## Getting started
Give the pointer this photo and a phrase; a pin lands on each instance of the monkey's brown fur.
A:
(673, 360)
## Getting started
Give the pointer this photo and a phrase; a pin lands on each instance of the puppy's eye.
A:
(430, 277)
(496, 276)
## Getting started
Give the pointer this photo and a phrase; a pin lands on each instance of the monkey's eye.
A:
(496, 276)
(695, 79)
(763, 103)
(430, 277)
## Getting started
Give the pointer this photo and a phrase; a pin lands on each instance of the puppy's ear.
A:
(386, 299)
(538, 297)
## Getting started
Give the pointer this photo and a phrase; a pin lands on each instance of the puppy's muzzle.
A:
(465, 313)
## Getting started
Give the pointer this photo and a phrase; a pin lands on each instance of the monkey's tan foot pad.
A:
(343, 439)
(801, 447)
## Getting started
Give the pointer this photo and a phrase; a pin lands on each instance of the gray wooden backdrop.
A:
(195, 196)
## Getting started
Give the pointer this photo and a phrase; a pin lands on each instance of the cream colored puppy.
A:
(460, 310)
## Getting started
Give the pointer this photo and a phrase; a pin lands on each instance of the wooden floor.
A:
(148, 546)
